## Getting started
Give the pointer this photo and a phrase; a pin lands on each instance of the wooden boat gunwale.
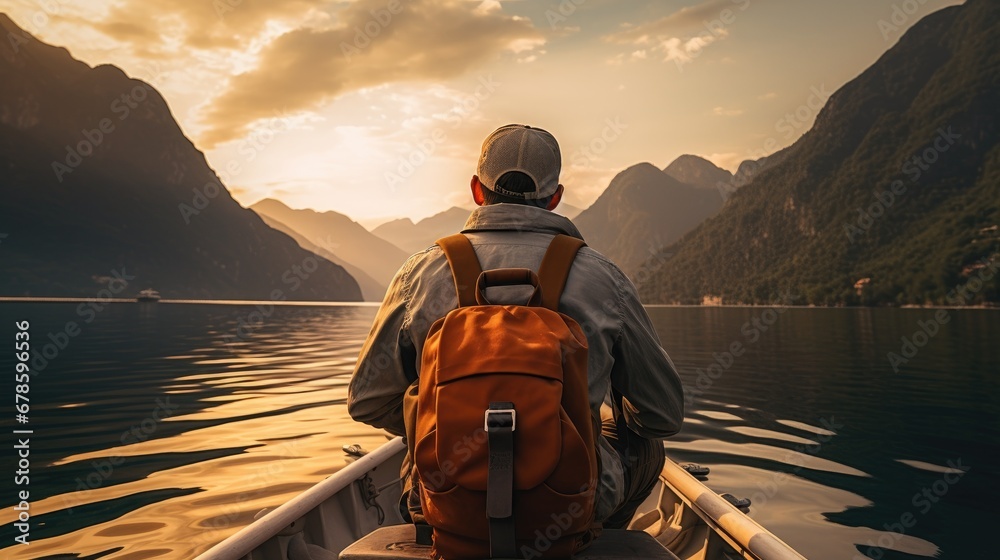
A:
(257, 533)
(747, 537)
(682, 499)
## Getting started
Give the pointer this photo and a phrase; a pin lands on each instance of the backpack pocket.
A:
(574, 473)
(461, 443)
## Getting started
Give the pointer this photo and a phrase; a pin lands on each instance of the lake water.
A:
(159, 431)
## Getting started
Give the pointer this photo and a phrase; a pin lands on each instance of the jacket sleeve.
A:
(643, 374)
(387, 364)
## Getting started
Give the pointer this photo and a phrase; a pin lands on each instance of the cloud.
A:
(166, 25)
(723, 112)
(685, 50)
(425, 40)
(682, 35)
(767, 96)
(677, 23)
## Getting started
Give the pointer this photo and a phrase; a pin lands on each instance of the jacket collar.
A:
(519, 217)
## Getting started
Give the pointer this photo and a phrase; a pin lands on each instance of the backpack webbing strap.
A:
(555, 267)
(424, 534)
(465, 267)
(501, 421)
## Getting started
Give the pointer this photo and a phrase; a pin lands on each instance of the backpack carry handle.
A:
(508, 277)
(553, 272)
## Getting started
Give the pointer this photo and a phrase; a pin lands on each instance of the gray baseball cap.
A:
(519, 147)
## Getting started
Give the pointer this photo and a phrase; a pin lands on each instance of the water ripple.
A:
(161, 432)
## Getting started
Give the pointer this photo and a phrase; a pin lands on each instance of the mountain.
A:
(102, 193)
(748, 169)
(568, 210)
(371, 290)
(893, 197)
(414, 237)
(699, 172)
(643, 210)
(338, 234)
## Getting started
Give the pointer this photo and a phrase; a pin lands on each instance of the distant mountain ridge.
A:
(413, 237)
(643, 210)
(97, 179)
(371, 290)
(749, 169)
(341, 236)
(568, 210)
(698, 171)
(893, 197)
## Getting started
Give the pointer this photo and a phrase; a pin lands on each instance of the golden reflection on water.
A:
(278, 456)
(782, 501)
(265, 418)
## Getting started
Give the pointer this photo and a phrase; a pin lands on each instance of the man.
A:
(516, 188)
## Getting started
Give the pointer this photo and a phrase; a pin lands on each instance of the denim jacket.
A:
(624, 353)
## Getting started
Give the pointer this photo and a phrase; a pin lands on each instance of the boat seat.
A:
(398, 542)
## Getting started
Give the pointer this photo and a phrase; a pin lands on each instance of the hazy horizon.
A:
(319, 104)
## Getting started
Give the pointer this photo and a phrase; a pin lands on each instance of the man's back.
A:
(624, 351)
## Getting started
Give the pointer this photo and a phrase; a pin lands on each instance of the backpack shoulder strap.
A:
(465, 267)
(555, 267)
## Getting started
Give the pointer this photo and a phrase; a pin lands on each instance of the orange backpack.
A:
(503, 446)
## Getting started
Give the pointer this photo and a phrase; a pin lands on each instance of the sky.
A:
(378, 108)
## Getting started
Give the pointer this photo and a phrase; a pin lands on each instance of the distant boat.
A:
(148, 295)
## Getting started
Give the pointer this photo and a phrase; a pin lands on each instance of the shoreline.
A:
(14, 299)
(17, 299)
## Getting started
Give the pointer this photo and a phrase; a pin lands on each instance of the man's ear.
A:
(477, 191)
(556, 198)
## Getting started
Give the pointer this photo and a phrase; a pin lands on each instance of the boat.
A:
(148, 295)
(353, 515)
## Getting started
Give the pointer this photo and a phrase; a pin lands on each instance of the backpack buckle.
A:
(499, 422)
